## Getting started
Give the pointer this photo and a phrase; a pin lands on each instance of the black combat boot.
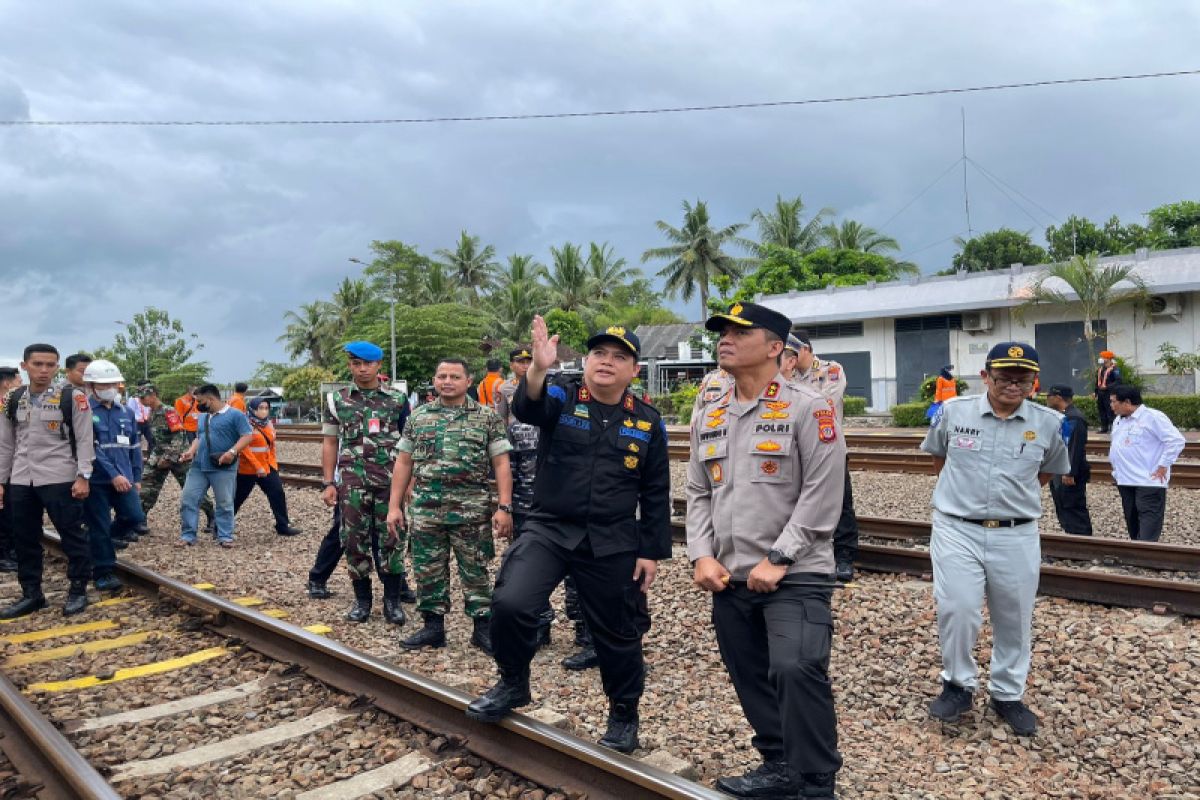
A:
(393, 611)
(31, 600)
(109, 583)
(844, 569)
(512, 691)
(769, 779)
(543, 634)
(586, 658)
(141, 529)
(432, 635)
(361, 610)
(481, 636)
(819, 784)
(317, 590)
(77, 599)
(622, 733)
(407, 595)
(8, 562)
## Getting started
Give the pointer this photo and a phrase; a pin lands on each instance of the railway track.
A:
(350, 694)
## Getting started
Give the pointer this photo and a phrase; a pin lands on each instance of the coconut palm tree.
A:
(695, 255)
(569, 281)
(307, 332)
(851, 235)
(1094, 289)
(437, 286)
(349, 298)
(607, 270)
(473, 267)
(784, 226)
(518, 297)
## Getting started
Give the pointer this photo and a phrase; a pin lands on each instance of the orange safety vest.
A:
(944, 390)
(487, 389)
(238, 401)
(259, 455)
(190, 414)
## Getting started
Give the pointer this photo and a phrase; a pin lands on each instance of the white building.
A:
(900, 332)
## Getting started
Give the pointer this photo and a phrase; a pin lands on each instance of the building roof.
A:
(1165, 272)
(662, 341)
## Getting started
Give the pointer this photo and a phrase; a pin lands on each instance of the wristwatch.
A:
(327, 484)
(779, 559)
(505, 507)
(87, 476)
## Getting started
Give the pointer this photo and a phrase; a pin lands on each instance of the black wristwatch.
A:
(505, 507)
(779, 559)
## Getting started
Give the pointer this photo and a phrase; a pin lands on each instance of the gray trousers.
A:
(971, 563)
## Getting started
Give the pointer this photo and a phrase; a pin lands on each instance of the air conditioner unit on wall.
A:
(1165, 305)
(977, 321)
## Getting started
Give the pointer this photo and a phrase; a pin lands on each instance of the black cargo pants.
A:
(66, 514)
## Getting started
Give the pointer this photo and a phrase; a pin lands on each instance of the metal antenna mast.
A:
(966, 195)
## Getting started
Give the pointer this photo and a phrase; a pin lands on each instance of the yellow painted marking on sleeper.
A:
(276, 613)
(69, 650)
(153, 668)
(249, 602)
(204, 587)
(320, 630)
(114, 601)
(64, 630)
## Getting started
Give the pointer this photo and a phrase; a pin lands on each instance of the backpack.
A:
(66, 398)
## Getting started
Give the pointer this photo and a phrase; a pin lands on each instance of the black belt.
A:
(996, 523)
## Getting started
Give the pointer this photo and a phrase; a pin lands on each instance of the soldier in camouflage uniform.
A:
(446, 450)
(362, 425)
(163, 460)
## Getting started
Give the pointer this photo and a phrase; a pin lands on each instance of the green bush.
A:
(682, 399)
(929, 386)
(854, 406)
(1183, 409)
(910, 415)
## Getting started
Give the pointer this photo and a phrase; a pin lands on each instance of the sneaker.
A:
(1017, 715)
(953, 703)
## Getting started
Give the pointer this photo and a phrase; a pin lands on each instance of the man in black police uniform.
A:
(603, 454)
(1070, 491)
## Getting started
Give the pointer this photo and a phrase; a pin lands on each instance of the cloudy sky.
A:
(229, 227)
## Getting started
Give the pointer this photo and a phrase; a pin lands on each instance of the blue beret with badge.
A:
(364, 350)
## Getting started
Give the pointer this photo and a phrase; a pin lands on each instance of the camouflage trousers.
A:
(152, 483)
(432, 540)
(364, 516)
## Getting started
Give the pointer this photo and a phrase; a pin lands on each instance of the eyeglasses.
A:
(1002, 382)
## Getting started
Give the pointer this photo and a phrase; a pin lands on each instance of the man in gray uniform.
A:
(993, 452)
(829, 378)
(764, 492)
(46, 454)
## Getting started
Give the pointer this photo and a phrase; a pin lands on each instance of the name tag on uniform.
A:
(373, 425)
(965, 443)
(122, 439)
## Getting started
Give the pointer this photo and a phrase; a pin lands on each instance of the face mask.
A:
(202, 408)
(262, 412)
(108, 395)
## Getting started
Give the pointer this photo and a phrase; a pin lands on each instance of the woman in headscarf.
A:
(259, 466)
(945, 389)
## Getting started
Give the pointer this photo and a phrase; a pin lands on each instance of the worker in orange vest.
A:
(238, 398)
(258, 466)
(490, 383)
(946, 387)
(189, 411)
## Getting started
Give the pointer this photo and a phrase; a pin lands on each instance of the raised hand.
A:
(545, 346)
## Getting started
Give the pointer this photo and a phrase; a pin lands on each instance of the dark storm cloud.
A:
(230, 227)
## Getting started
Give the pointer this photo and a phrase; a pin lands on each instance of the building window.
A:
(942, 322)
(835, 330)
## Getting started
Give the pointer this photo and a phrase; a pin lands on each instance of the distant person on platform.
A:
(1069, 490)
(238, 398)
(490, 383)
(1144, 445)
(1108, 377)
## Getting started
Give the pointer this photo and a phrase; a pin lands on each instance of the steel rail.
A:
(51, 767)
(539, 752)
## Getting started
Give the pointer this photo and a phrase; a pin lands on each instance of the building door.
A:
(858, 372)
(922, 348)
(1063, 354)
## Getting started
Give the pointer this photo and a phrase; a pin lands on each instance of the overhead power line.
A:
(629, 112)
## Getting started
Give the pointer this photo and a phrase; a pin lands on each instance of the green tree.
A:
(996, 250)
(784, 270)
(569, 281)
(397, 270)
(784, 226)
(633, 304)
(1095, 291)
(1176, 362)
(152, 345)
(696, 255)
(307, 333)
(425, 334)
(852, 235)
(437, 287)
(271, 373)
(350, 299)
(1175, 225)
(303, 385)
(470, 265)
(1081, 236)
(570, 328)
(518, 297)
(172, 384)
(607, 271)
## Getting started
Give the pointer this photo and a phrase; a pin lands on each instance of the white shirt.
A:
(1141, 443)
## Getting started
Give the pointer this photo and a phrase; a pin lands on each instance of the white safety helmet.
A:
(101, 371)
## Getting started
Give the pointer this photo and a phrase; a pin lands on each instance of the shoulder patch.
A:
(558, 393)
(81, 402)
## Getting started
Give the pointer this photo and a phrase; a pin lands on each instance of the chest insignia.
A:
(53, 425)
(716, 418)
(1030, 436)
(627, 422)
(772, 390)
(629, 403)
(716, 473)
(631, 462)
(633, 448)
(769, 446)
(581, 411)
(584, 395)
(711, 450)
(769, 467)
(643, 425)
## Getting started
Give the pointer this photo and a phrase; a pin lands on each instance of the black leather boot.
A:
(582, 637)
(543, 635)
(317, 590)
(586, 658)
(31, 600)
(819, 784)
(393, 611)
(407, 595)
(77, 599)
(622, 733)
(8, 562)
(481, 636)
(432, 635)
(769, 779)
(361, 610)
(512, 691)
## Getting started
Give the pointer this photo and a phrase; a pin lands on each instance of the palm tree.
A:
(520, 270)
(307, 332)
(518, 297)
(1095, 290)
(569, 282)
(438, 287)
(606, 269)
(472, 266)
(783, 226)
(695, 256)
(851, 235)
(349, 298)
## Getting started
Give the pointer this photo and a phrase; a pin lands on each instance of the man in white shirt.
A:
(1144, 446)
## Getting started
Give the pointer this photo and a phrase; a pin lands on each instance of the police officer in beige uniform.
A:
(46, 454)
(994, 452)
(829, 378)
(764, 492)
